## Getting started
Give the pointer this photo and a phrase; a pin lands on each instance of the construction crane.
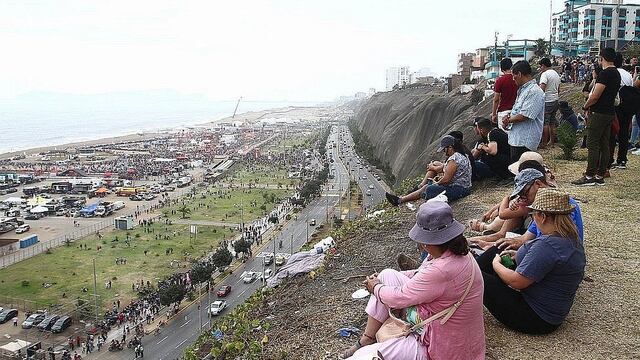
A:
(236, 109)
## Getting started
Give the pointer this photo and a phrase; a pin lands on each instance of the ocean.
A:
(48, 120)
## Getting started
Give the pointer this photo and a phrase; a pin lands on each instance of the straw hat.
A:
(550, 200)
(527, 155)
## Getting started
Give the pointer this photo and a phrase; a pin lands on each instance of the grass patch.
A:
(68, 269)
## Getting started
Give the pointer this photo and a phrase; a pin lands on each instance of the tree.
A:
(542, 47)
(171, 293)
(631, 50)
(184, 210)
(222, 257)
(201, 271)
(241, 246)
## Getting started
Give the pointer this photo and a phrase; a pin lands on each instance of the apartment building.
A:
(585, 26)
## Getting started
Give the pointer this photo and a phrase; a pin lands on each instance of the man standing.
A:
(600, 107)
(527, 115)
(504, 91)
(492, 152)
(550, 84)
(624, 115)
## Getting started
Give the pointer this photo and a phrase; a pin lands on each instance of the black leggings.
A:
(506, 304)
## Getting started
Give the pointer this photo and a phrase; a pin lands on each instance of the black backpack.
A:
(629, 99)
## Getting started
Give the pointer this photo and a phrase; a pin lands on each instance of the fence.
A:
(80, 233)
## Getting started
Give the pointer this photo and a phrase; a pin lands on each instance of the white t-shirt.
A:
(552, 79)
(625, 78)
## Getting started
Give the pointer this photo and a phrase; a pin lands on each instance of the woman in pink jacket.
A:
(448, 276)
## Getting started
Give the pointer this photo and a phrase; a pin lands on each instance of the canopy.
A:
(101, 190)
(39, 209)
(15, 200)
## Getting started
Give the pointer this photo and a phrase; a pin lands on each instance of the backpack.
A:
(629, 99)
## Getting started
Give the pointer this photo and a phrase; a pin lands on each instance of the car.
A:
(312, 222)
(268, 259)
(267, 274)
(62, 212)
(371, 187)
(368, 192)
(280, 260)
(23, 229)
(249, 277)
(364, 177)
(216, 307)
(32, 216)
(62, 324)
(149, 196)
(33, 320)
(47, 323)
(224, 290)
(135, 197)
(7, 314)
(170, 188)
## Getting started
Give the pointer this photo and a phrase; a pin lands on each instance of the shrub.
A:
(25, 283)
(567, 140)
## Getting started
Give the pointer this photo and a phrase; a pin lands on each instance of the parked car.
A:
(136, 198)
(33, 320)
(249, 277)
(62, 212)
(62, 324)
(312, 222)
(267, 274)
(7, 314)
(32, 216)
(268, 259)
(216, 307)
(47, 323)
(170, 188)
(224, 290)
(23, 228)
(149, 196)
(368, 192)
(280, 260)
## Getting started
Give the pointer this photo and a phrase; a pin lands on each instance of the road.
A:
(185, 328)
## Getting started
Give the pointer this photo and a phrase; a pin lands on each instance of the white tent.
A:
(39, 209)
(12, 348)
(15, 200)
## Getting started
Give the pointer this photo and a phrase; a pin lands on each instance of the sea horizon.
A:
(46, 121)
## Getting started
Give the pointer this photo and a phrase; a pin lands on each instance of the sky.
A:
(290, 50)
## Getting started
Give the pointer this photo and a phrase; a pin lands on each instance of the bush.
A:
(25, 283)
(567, 140)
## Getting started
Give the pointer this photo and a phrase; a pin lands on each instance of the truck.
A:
(128, 191)
(104, 209)
(184, 181)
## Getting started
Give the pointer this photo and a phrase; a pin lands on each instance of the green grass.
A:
(289, 143)
(225, 207)
(70, 268)
(261, 175)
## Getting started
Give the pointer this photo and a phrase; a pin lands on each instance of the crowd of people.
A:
(529, 260)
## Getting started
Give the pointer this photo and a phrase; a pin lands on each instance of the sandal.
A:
(477, 225)
(350, 351)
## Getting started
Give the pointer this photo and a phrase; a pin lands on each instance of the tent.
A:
(15, 200)
(39, 209)
(12, 348)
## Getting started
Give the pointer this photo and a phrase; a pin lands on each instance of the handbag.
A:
(394, 327)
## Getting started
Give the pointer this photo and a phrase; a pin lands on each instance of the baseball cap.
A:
(524, 178)
(447, 140)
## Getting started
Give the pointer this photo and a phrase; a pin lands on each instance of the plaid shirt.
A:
(530, 104)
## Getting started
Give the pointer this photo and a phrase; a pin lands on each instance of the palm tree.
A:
(185, 211)
(541, 47)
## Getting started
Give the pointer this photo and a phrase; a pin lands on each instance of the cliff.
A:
(406, 126)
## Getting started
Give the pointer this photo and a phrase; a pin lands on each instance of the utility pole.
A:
(209, 298)
(274, 256)
(95, 291)
(550, 25)
(200, 307)
(291, 244)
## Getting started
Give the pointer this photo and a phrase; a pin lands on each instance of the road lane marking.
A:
(188, 321)
(183, 341)
(163, 339)
(243, 291)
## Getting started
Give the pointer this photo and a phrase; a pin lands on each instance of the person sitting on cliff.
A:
(441, 300)
(492, 152)
(532, 290)
(453, 178)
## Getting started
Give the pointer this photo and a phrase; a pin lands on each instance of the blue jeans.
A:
(453, 192)
(635, 129)
(483, 171)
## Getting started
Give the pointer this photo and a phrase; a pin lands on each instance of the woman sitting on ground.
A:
(453, 177)
(448, 276)
(536, 297)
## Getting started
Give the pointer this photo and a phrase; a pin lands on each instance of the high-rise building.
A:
(587, 25)
(397, 76)
(465, 63)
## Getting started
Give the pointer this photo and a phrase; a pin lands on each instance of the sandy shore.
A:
(248, 117)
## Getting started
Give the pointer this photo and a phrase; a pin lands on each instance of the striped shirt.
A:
(530, 104)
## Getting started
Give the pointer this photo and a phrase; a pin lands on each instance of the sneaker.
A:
(393, 199)
(621, 166)
(599, 181)
(585, 181)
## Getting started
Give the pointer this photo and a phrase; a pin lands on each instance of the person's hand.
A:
(494, 118)
(371, 282)
(496, 261)
(486, 217)
(505, 121)
(509, 244)
(511, 253)
(514, 205)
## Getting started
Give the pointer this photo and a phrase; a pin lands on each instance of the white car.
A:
(368, 192)
(364, 177)
(371, 187)
(249, 277)
(216, 307)
(267, 274)
(23, 228)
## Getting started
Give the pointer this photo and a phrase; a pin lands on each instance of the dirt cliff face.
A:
(406, 126)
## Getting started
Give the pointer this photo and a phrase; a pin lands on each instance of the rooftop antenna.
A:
(236, 109)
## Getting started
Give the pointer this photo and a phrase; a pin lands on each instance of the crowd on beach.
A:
(526, 266)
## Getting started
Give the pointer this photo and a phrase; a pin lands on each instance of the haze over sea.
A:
(45, 119)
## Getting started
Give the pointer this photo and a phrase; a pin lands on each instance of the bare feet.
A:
(364, 341)
(477, 225)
